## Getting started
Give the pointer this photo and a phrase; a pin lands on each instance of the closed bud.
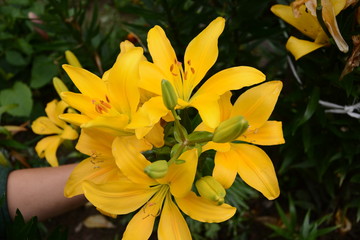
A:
(72, 59)
(211, 189)
(230, 129)
(168, 94)
(157, 169)
(200, 137)
(59, 86)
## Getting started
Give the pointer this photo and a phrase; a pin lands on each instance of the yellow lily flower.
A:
(249, 161)
(303, 17)
(110, 103)
(51, 124)
(200, 56)
(154, 196)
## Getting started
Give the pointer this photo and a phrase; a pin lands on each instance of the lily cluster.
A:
(316, 19)
(143, 157)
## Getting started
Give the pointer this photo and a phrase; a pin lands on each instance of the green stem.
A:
(177, 154)
(320, 19)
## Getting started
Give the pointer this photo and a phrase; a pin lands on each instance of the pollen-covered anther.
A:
(101, 106)
(172, 70)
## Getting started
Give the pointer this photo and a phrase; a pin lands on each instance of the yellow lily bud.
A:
(72, 59)
(230, 129)
(211, 189)
(157, 169)
(59, 86)
(168, 94)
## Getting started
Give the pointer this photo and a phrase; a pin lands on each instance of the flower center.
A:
(102, 106)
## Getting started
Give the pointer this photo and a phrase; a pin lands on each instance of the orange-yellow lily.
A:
(154, 196)
(200, 56)
(51, 124)
(302, 15)
(249, 161)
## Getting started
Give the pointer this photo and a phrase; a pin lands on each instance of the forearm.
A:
(40, 192)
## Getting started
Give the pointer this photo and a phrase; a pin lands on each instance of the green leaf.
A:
(42, 72)
(20, 95)
(15, 58)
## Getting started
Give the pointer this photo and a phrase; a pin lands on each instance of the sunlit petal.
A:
(299, 48)
(80, 102)
(96, 169)
(123, 79)
(44, 126)
(181, 176)
(73, 118)
(225, 168)
(88, 83)
(257, 103)
(204, 210)
(257, 170)
(128, 157)
(231, 79)
(172, 224)
(117, 197)
(201, 54)
(268, 134)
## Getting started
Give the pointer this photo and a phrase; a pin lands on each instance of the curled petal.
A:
(204, 210)
(47, 148)
(257, 170)
(54, 109)
(299, 48)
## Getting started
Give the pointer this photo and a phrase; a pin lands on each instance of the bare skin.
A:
(40, 192)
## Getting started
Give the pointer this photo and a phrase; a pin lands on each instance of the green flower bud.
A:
(59, 85)
(230, 129)
(168, 94)
(72, 59)
(211, 189)
(157, 169)
(199, 137)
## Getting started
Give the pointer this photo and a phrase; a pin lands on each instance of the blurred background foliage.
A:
(319, 165)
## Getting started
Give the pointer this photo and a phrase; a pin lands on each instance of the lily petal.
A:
(74, 118)
(268, 134)
(88, 83)
(156, 135)
(97, 170)
(151, 76)
(172, 224)
(201, 54)
(305, 22)
(204, 210)
(117, 197)
(164, 57)
(81, 103)
(47, 148)
(123, 79)
(208, 108)
(69, 133)
(115, 123)
(44, 126)
(231, 79)
(93, 142)
(180, 177)
(300, 48)
(54, 109)
(128, 157)
(225, 169)
(257, 170)
(257, 103)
